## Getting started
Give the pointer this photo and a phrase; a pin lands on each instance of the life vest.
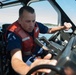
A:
(28, 44)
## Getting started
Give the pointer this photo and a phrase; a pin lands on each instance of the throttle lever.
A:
(45, 52)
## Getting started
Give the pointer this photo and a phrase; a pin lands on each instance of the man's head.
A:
(27, 18)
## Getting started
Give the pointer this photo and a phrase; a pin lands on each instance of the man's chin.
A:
(30, 31)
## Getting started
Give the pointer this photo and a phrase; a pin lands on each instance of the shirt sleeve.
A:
(13, 41)
(43, 28)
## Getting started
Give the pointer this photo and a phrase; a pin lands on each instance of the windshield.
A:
(69, 7)
(7, 1)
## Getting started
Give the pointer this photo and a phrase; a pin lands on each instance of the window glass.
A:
(45, 13)
(69, 7)
(9, 15)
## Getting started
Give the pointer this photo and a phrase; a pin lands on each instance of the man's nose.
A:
(31, 23)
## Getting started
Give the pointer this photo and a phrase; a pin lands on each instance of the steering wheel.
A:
(54, 36)
(57, 69)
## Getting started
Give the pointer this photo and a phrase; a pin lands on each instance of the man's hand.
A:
(43, 61)
(48, 56)
(67, 26)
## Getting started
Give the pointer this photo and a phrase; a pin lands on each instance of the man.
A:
(20, 41)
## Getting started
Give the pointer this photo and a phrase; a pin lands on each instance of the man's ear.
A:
(19, 20)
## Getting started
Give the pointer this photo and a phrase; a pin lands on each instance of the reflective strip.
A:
(29, 62)
(24, 39)
(37, 29)
(14, 37)
(41, 49)
(9, 35)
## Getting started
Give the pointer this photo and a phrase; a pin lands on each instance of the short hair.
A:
(27, 8)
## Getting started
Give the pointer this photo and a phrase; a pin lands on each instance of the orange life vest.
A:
(28, 44)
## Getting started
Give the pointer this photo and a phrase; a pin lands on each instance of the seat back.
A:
(3, 53)
(5, 66)
(4, 27)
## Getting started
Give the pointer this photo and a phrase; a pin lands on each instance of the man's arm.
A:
(22, 68)
(17, 63)
(66, 26)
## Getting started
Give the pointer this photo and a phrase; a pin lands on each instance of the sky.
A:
(11, 14)
(70, 7)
